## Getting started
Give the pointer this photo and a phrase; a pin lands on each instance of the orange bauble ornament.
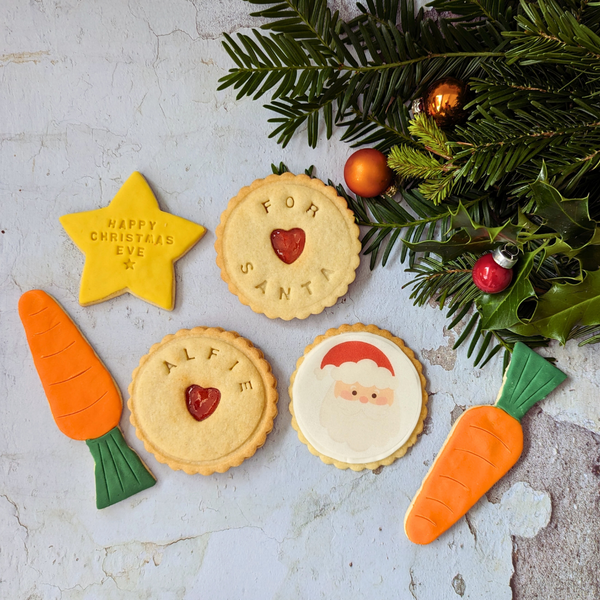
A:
(367, 173)
(444, 101)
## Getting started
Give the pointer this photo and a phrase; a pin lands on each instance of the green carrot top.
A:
(529, 378)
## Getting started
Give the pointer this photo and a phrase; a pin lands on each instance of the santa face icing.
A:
(357, 397)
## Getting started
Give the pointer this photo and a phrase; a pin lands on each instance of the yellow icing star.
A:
(130, 246)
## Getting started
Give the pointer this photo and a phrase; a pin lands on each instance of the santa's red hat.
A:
(354, 352)
(359, 362)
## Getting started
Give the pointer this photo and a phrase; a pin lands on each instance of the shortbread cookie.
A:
(288, 246)
(358, 397)
(203, 400)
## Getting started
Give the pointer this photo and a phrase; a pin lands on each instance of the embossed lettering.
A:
(247, 267)
(326, 273)
(112, 223)
(187, 356)
(168, 364)
(307, 286)
(233, 365)
(266, 205)
(158, 241)
(245, 385)
(289, 202)
(169, 239)
(283, 293)
(141, 223)
(140, 251)
(139, 236)
(122, 224)
(129, 237)
(103, 236)
(313, 208)
(149, 239)
(213, 352)
(119, 249)
(152, 224)
(94, 236)
(113, 237)
(131, 223)
(262, 286)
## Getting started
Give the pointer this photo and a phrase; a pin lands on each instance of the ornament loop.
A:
(506, 256)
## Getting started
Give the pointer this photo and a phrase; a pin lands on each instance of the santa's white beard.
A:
(361, 426)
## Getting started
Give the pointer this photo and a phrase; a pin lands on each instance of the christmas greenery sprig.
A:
(522, 169)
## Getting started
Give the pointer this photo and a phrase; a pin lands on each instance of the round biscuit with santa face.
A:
(358, 397)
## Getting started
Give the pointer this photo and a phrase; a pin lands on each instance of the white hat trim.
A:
(365, 372)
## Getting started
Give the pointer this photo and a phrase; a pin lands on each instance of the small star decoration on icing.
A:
(130, 246)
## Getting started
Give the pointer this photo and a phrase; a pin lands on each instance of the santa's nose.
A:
(364, 399)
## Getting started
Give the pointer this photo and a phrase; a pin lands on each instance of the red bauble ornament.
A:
(492, 273)
(367, 173)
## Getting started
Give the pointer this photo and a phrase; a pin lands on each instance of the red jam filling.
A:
(202, 402)
(288, 245)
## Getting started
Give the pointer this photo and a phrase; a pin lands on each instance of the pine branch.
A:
(438, 189)
(384, 11)
(382, 130)
(373, 66)
(495, 11)
(534, 70)
(410, 163)
(303, 19)
(550, 34)
(494, 146)
(430, 135)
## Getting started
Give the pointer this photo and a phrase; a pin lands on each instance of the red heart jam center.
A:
(288, 245)
(202, 402)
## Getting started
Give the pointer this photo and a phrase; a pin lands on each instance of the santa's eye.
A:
(373, 395)
(354, 392)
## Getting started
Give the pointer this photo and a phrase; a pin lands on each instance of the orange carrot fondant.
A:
(484, 444)
(84, 399)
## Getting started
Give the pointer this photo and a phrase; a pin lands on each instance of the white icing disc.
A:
(357, 397)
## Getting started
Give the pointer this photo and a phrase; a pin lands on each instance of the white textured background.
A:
(91, 91)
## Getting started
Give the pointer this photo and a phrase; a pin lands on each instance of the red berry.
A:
(489, 276)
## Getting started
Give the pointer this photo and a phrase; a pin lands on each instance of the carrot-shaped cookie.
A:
(85, 401)
(484, 444)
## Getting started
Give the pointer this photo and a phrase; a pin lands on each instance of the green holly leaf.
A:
(500, 311)
(588, 256)
(569, 217)
(563, 307)
(469, 237)
(456, 246)
(461, 219)
(524, 225)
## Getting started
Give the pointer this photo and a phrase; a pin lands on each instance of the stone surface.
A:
(93, 91)
(562, 561)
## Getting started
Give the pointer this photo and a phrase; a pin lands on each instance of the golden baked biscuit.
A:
(203, 400)
(358, 397)
(288, 246)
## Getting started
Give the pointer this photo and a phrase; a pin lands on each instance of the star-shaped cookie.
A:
(130, 246)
